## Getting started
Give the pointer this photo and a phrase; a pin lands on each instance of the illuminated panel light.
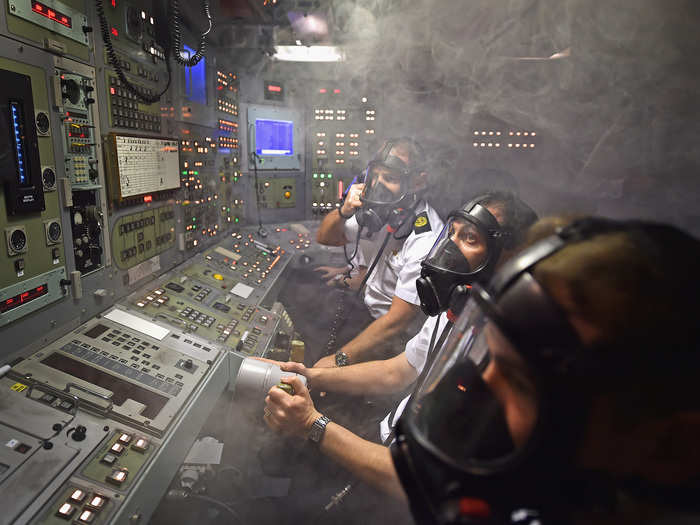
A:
(274, 89)
(354, 135)
(114, 32)
(52, 14)
(18, 135)
(78, 495)
(309, 54)
(65, 511)
(321, 134)
(369, 132)
(340, 135)
(23, 298)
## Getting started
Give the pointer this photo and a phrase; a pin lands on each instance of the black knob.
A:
(89, 101)
(188, 364)
(79, 433)
(89, 89)
(87, 29)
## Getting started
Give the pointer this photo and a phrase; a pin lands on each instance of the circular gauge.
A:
(53, 232)
(42, 123)
(48, 178)
(70, 90)
(18, 241)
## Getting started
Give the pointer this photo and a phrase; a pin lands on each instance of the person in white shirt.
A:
(389, 211)
(474, 241)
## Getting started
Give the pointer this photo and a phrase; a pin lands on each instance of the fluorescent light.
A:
(309, 54)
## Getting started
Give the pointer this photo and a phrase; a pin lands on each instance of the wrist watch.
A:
(318, 429)
(341, 358)
(343, 216)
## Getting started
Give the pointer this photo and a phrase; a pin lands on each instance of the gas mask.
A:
(387, 198)
(494, 429)
(446, 271)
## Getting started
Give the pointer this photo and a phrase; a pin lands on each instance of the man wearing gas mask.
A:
(566, 392)
(474, 241)
(389, 208)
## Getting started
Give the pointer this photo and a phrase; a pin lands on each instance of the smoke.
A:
(611, 87)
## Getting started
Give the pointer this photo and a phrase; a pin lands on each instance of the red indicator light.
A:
(40, 288)
(114, 3)
(115, 32)
(112, 91)
(322, 90)
(51, 14)
(276, 89)
(23, 296)
(147, 198)
(10, 301)
(340, 189)
(336, 91)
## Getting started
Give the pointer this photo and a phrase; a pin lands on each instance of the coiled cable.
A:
(114, 62)
(176, 35)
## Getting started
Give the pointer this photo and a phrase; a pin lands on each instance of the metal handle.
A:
(106, 410)
(60, 393)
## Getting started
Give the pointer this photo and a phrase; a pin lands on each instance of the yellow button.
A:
(218, 277)
(287, 194)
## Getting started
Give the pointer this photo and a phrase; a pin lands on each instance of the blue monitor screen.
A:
(274, 137)
(195, 79)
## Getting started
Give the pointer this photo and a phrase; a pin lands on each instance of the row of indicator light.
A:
(353, 153)
(484, 133)
(93, 505)
(322, 175)
(498, 145)
(370, 114)
(324, 205)
(369, 132)
(227, 125)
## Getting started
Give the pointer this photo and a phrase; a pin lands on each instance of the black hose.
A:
(176, 35)
(374, 263)
(114, 62)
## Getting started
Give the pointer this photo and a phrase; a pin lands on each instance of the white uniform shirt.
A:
(399, 266)
(416, 355)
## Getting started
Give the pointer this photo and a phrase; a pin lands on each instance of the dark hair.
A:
(517, 216)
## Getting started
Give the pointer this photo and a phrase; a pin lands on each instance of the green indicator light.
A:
(184, 172)
(323, 176)
(330, 175)
(315, 176)
(264, 253)
(236, 219)
(196, 172)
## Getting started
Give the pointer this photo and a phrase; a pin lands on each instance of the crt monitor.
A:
(274, 137)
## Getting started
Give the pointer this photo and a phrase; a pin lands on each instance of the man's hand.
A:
(292, 415)
(330, 273)
(326, 362)
(352, 200)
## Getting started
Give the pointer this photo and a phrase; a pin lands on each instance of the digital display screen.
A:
(51, 14)
(146, 165)
(18, 137)
(23, 298)
(274, 137)
(195, 79)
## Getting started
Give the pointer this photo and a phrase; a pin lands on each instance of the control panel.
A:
(139, 236)
(32, 263)
(343, 138)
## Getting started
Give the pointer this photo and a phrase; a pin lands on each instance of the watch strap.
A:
(318, 429)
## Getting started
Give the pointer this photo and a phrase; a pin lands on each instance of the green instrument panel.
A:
(125, 452)
(140, 236)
